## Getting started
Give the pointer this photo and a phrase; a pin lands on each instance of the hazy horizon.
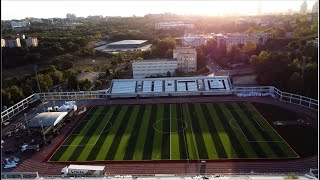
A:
(59, 9)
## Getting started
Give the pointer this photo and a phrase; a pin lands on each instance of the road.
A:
(217, 70)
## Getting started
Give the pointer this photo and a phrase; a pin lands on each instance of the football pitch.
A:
(208, 131)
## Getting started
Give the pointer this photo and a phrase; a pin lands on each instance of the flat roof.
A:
(124, 42)
(80, 167)
(48, 119)
(155, 60)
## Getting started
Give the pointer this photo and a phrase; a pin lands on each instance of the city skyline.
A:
(48, 9)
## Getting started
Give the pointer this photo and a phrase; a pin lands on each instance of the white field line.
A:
(245, 135)
(94, 135)
(170, 129)
(68, 136)
(260, 125)
(194, 140)
(276, 132)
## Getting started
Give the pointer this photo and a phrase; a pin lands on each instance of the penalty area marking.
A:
(239, 128)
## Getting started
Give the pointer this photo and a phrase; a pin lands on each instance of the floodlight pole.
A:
(42, 130)
(39, 89)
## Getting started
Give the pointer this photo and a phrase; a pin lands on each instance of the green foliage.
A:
(295, 83)
(98, 83)
(15, 94)
(201, 58)
(234, 53)
(280, 32)
(249, 48)
(114, 63)
(45, 81)
(5, 97)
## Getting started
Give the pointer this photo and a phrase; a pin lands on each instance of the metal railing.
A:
(20, 106)
(277, 94)
(74, 95)
(19, 175)
(103, 94)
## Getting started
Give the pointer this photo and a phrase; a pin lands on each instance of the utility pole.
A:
(35, 70)
(42, 130)
(39, 89)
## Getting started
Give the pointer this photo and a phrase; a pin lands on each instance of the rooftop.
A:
(48, 119)
(128, 42)
(155, 60)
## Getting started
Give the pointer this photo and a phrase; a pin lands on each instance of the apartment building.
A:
(169, 25)
(32, 41)
(146, 68)
(186, 58)
(12, 43)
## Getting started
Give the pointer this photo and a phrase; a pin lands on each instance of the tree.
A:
(295, 83)
(168, 74)
(15, 93)
(234, 53)
(107, 72)
(280, 32)
(45, 82)
(98, 83)
(249, 47)
(120, 58)
(6, 97)
(114, 63)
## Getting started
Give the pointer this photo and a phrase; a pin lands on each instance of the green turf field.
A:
(173, 132)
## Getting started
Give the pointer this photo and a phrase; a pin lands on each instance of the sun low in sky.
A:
(12, 9)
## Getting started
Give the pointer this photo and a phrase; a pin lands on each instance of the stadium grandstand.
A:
(180, 86)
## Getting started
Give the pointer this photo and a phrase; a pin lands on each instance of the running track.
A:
(37, 162)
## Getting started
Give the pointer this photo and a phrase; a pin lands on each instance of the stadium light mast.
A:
(39, 89)
(42, 130)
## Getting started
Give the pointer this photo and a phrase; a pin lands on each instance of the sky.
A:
(15, 9)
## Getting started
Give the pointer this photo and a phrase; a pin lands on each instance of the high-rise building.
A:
(315, 7)
(304, 7)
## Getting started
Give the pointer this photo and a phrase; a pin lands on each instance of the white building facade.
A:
(3, 43)
(169, 25)
(13, 43)
(194, 41)
(186, 58)
(146, 68)
(19, 24)
(32, 42)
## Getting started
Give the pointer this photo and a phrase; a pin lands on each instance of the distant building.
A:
(12, 43)
(3, 43)
(19, 24)
(289, 35)
(31, 41)
(128, 45)
(169, 25)
(187, 58)
(146, 68)
(63, 27)
(315, 8)
(304, 7)
(237, 38)
(194, 41)
(314, 42)
(21, 36)
(71, 17)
